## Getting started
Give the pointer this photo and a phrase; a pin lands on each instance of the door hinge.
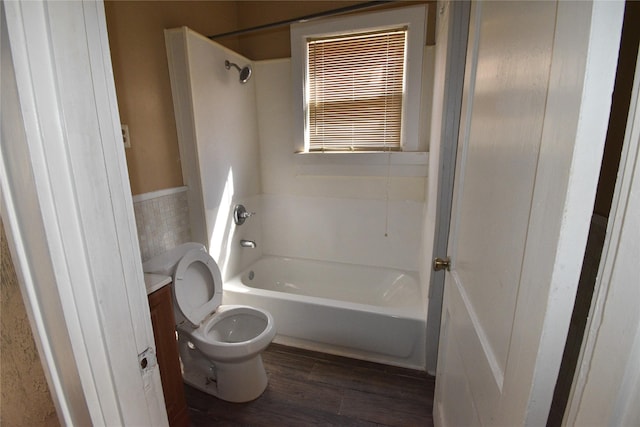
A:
(442, 264)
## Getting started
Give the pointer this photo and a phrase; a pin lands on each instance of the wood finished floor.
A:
(309, 388)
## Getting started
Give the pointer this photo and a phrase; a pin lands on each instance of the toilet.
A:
(220, 345)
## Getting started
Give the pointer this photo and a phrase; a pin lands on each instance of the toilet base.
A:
(234, 382)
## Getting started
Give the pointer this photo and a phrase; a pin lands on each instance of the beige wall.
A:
(142, 79)
(275, 43)
(24, 394)
(141, 74)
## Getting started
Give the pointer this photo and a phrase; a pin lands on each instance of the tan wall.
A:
(24, 393)
(142, 79)
(143, 88)
(275, 43)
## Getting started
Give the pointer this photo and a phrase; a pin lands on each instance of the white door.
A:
(532, 130)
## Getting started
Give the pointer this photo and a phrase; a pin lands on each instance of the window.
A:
(354, 91)
(357, 82)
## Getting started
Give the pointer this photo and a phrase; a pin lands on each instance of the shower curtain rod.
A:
(277, 24)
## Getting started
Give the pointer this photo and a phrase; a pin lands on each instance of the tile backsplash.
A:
(162, 219)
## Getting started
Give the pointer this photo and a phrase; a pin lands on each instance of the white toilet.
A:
(220, 345)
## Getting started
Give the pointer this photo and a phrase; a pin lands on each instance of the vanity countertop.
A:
(153, 282)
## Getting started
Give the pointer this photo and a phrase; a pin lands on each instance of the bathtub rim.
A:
(417, 312)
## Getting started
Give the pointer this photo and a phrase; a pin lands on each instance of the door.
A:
(535, 107)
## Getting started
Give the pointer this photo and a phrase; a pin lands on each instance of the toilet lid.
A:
(197, 286)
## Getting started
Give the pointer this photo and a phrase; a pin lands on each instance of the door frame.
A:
(608, 320)
(445, 126)
(68, 215)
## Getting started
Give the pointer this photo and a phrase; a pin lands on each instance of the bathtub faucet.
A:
(240, 214)
(247, 243)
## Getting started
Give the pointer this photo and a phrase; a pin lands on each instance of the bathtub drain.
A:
(251, 275)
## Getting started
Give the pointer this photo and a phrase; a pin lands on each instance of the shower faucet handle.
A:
(240, 214)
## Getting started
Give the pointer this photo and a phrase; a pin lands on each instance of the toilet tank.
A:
(165, 263)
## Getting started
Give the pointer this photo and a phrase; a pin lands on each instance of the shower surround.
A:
(236, 146)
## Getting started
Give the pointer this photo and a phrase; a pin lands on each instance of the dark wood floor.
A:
(309, 388)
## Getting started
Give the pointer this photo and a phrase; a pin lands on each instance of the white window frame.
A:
(414, 18)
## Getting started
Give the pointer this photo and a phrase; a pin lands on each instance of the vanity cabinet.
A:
(161, 307)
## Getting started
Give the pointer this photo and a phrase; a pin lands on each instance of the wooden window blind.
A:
(354, 91)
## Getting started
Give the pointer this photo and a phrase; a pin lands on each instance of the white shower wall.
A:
(342, 230)
(218, 136)
(329, 218)
(244, 151)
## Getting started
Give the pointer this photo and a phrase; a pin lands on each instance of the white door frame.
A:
(451, 46)
(68, 213)
(606, 389)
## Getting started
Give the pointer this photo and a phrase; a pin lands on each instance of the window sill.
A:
(410, 164)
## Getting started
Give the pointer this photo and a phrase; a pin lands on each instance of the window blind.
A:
(354, 91)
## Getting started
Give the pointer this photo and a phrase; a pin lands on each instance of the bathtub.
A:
(369, 313)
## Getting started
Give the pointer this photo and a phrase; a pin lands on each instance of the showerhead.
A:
(245, 72)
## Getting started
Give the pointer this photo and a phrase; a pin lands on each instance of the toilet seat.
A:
(197, 286)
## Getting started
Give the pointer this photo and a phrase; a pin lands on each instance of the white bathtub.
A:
(369, 313)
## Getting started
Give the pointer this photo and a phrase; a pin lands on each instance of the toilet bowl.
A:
(220, 345)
